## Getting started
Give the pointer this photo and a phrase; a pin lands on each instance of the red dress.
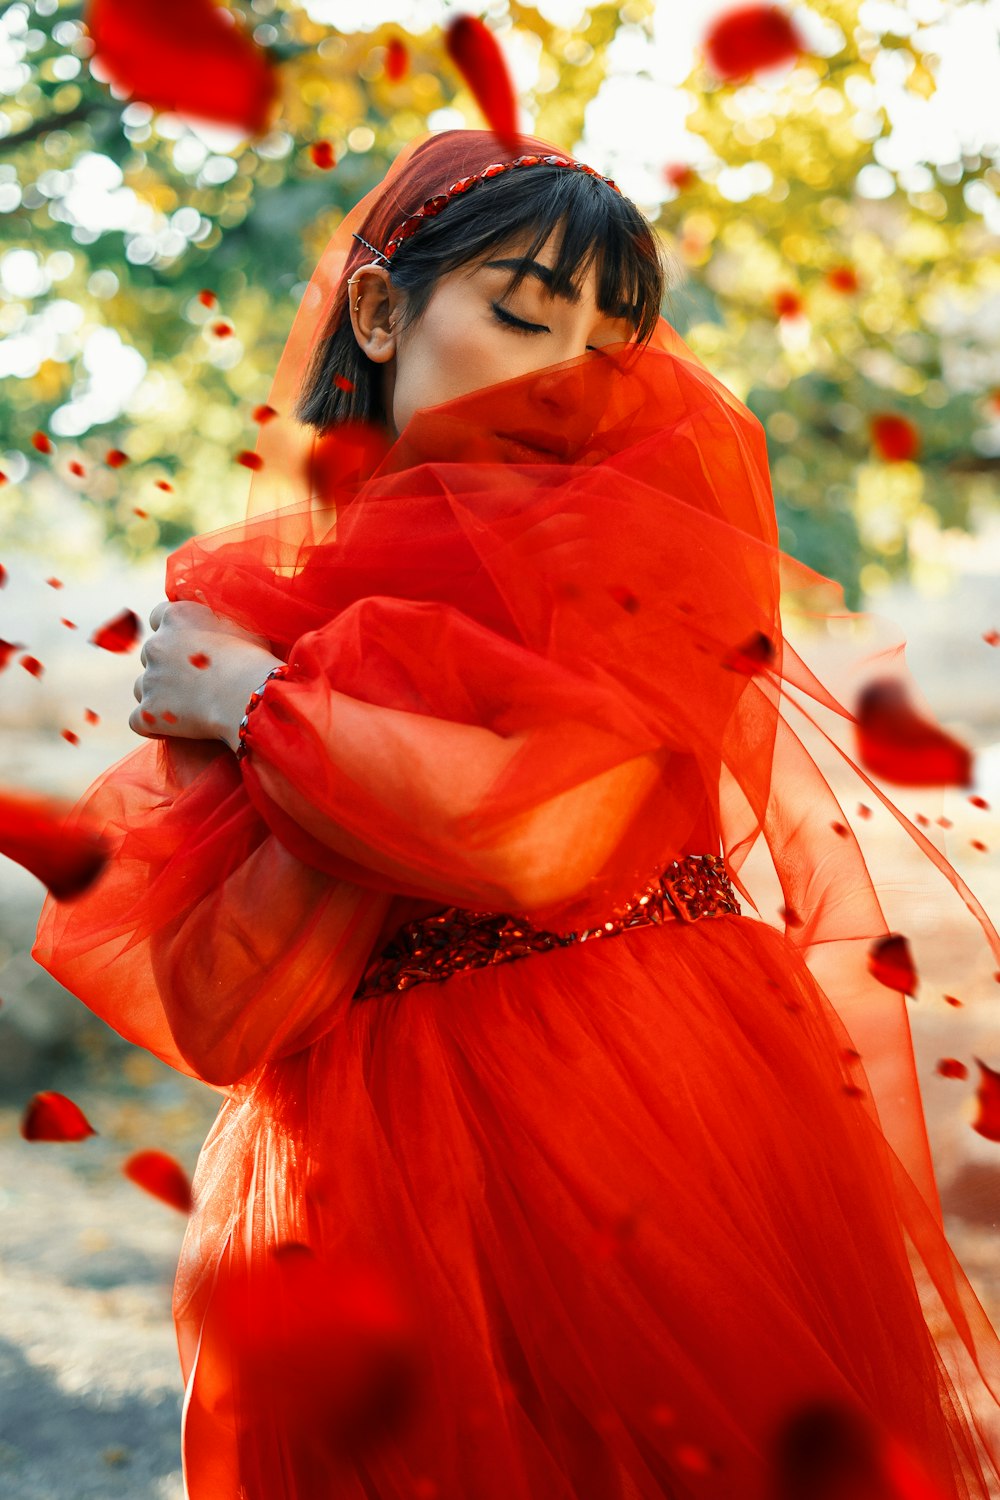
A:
(643, 1196)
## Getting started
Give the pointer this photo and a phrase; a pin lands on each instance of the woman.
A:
(458, 749)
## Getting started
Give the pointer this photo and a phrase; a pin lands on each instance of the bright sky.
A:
(633, 127)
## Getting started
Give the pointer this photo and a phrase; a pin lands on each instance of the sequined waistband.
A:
(449, 942)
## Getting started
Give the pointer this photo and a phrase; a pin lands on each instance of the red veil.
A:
(513, 687)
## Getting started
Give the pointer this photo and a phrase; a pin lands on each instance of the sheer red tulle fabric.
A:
(639, 1197)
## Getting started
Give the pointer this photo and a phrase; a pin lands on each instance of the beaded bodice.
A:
(448, 942)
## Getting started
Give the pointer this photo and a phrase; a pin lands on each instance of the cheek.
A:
(451, 353)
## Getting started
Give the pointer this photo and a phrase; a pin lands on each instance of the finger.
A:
(137, 688)
(156, 614)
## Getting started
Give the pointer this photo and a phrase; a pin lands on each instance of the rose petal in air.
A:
(119, 634)
(200, 660)
(895, 439)
(191, 57)
(7, 649)
(263, 413)
(397, 59)
(70, 736)
(987, 1121)
(53, 1117)
(222, 329)
(3, 575)
(891, 963)
(115, 458)
(76, 469)
(755, 655)
(33, 665)
(895, 742)
(476, 53)
(163, 484)
(788, 304)
(680, 175)
(159, 1174)
(41, 442)
(206, 297)
(323, 155)
(342, 383)
(992, 637)
(843, 279)
(953, 1000)
(39, 834)
(951, 1067)
(250, 460)
(54, 583)
(979, 802)
(751, 38)
(91, 717)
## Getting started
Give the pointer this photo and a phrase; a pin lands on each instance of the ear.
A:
(374, 304)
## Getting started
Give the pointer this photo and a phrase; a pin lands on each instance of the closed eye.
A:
(510, 320)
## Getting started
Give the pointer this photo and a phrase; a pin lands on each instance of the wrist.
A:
(247, 683)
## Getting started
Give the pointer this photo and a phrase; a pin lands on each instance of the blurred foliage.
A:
(818, 305)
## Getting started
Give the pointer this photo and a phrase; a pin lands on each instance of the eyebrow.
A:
(543, 274)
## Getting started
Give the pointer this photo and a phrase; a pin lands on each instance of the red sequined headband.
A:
(433, 206)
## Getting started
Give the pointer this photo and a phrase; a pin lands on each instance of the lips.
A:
(537, 446)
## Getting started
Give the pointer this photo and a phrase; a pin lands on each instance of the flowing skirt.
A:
(637, 1195)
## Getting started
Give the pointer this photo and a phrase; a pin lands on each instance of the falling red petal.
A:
(788, 304)
(142, 514)
(168, 717)
(840, 829)
(342, 383)
(863, 811)
(895, 438)
(191, 57)
(987, 1121)
(476, 54)
(953, 1000)
(328, 1349)
(3, 575)
(70, 624)
(891, 963)
(263, 413)
(115, 458)
(70, 736)
(91, 717)
(54, 583)
(625, 597)
(119, 634)
(200, 660)
(679, 175)
(755, 655)
(76, 468)
(323, 155)
(161, 484)
(7, 649)
(40, 441)
(896, 743)
(33, 665)
(206, 297)
(992, 637)
(147, 717)
(843, 279)
(3, 477)
(979, 845)
(789, 916)
(950, 1067)
(40, 834)
(944, 822)
(921, 820)
(749, 39)
(53, 1117)
(160, 1175)
(979, 802)
(250, 460)
(222, 330)
(397, 59)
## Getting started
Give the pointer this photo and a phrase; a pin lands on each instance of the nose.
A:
(560, 392)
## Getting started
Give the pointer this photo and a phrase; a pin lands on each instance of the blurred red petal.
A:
(896, 743)
(679, 175)
(326, 1350)
(54, 583)
(163, 484)
(200, 660)
(159, 1174)
(33, 665)
(992, 637)
(250, 460)
(397, 59)
(168, 717)
(222, 329)
(342, 383)
(788, 304)
(749, 39)
(40, 441)
(70, 736)
(840, 829)
(895, 438)
(53, 1117)
(142, 514)
(863, 811)
(191, 57)
(980, 802)
(7, 649)
(953, 1000)
(115, 458)
(891, 963)
(979, 845)
(843, 279)
(119, 634)
(951, 1067)
(70, 624)
(263, 413)
(3, 575)
(323, 155)
(76, 468)
(206, 297)
(755, 655)
(987, 1121)
(3, 477)
(91, 717)
(476, 54)
(828, 1450)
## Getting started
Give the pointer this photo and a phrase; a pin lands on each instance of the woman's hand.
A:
(199, 673)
